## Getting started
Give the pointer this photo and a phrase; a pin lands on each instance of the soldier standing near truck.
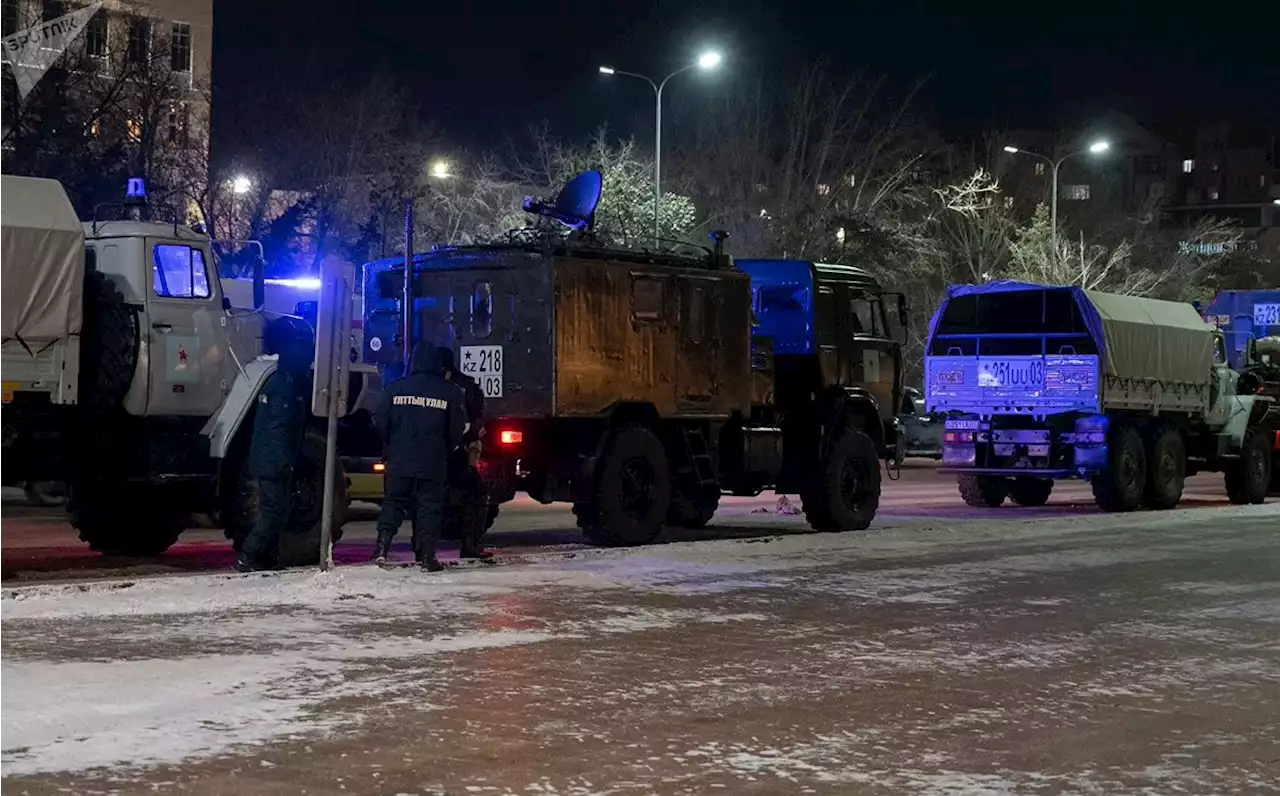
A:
(463, 463)
(279, 423)
(420, 420)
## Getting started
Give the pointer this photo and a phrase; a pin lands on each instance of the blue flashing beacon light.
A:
(136, 189)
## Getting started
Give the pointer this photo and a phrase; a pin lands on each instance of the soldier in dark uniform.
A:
(279, 423)
(463, 472)
(420, 419)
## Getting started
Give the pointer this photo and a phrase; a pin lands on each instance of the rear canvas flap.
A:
(42, 253)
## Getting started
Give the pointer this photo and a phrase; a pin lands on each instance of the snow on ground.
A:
(175, 669)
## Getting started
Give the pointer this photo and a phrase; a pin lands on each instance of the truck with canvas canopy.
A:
(1044, 382)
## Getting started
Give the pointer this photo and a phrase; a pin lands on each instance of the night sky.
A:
(477, 69)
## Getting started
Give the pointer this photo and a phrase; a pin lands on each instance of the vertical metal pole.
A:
(406, 299)
(1053, 212)
(657, 167)
(333, 374)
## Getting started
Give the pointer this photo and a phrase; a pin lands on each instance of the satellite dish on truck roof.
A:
(575, 205)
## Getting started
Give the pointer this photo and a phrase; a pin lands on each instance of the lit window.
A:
(1039, 169)
(1076, 193)
(1262, 181)
(840, 235)
(95, 36)
(1215, 166)
(823, 189)
(180, 47)
(178, 272)
(178, 123)
(853, 180)
(139, 41)
(1213, 194)
(1188, 166)
(1008, 202)
(95, 127)
(134, 128)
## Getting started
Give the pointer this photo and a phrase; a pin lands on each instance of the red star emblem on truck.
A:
(182, 356)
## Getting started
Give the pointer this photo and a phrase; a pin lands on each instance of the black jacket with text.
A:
(420, 419)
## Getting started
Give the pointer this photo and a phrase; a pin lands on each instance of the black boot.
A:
(474, 552)
(381, 550)
(431, 564)
(247, 563)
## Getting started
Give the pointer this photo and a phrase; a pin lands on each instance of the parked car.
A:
(921, 430)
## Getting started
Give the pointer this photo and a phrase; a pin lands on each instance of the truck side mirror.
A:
(1251, 351)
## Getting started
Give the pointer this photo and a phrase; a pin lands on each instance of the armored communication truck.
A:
(1134, 394)
(630, 383)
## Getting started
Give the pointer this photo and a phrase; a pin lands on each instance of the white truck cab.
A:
(129, 375)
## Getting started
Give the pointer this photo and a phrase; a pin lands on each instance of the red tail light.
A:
(509, 437)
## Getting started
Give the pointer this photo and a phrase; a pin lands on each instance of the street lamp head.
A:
(1098, 147)
(1012, 150)
(440, 169)
(241, 184)
(606, 70)
(709, 60)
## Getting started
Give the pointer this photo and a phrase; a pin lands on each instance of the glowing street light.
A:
(241, 184)
(1096, 148)
(709, 59)
(440, 169)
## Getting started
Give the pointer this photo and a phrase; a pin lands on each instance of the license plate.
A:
(1266, 314)
(1007, 373)
(962, 425)
(484, 364)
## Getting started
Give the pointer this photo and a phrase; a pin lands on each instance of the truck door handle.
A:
(164, 327)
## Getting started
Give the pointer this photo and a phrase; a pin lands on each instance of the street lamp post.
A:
(1095, 148)
(708, 60)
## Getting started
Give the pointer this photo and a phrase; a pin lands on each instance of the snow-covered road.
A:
(1107, 654)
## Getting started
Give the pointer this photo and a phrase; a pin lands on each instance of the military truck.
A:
(129, 376)
(1048, 382)
(1241, 316)
(630, 383)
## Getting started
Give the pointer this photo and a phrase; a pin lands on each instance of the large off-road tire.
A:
(1166, 469)
(1249, 477)
(983, 491)
(693, 509)
(116, 519)
(109, 344)
(1028, 491)
(1121, 485)
(847, 493)
(632, 491)
(300, 541)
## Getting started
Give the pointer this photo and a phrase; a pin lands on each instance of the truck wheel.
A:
(632, 491)
(984, 491)
(1167, 468)
(300, 541)
(109, 344)
(1027, 491)
(112, 523)
(1249, 477)
(1120, 486)
(848, 492)
(693, 510)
